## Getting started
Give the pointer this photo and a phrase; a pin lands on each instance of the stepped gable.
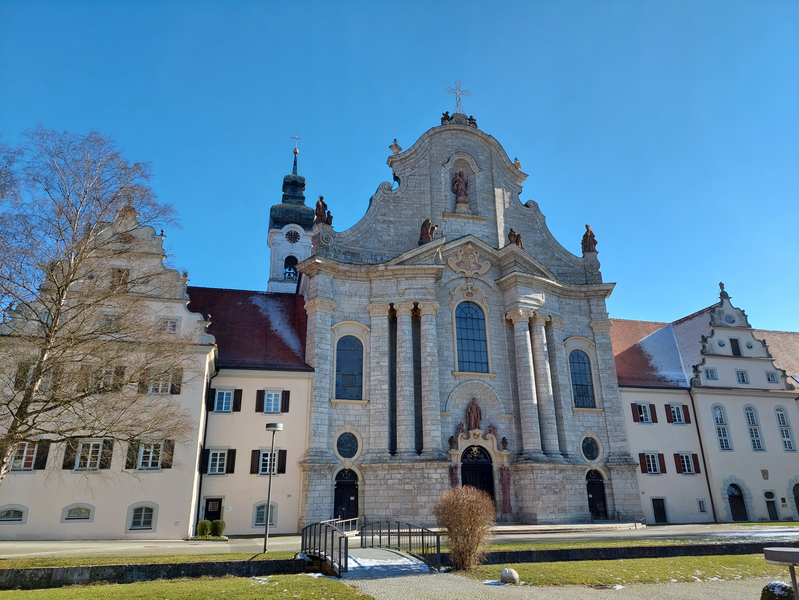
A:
(254, 330)
(784, 347)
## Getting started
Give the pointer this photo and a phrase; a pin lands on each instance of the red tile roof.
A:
(254, 330)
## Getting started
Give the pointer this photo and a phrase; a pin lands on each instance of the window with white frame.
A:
(88, 456)
(677, 415)
(771, 377)
(786, 435)
(161, 382)
(741, 377)
(216, 462)
(260, 511)
(472, 342)
(150, 455)
(711, 374)
(25, 456)
(722, 432)
(271, 402)
(169, 325)
(652, 463)
(687, 463)
(142, 518)
(78, 513)
(644, 414)
(224, 400)
(268, 462)
(12, 514)
(754, 429)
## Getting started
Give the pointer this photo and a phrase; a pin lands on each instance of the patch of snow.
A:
(695, 578)
(494, 582)
(279, 322)
(618, 586)
(661, 350)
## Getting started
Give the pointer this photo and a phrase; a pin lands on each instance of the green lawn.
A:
(639, 570)
(279, 586)
(29, 563)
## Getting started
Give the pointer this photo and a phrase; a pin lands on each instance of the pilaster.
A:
(528, 402)
(560, 381)
(319, 355)
(431, 409)
(378, 378)
(406, 426)
(543, 386)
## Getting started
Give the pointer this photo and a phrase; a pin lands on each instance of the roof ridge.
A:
(639, 321)
(693, 314)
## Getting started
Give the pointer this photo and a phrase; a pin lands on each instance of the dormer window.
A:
(711, 375)
(735, 346)
(119, 280)
(771, 377)
(168, 325)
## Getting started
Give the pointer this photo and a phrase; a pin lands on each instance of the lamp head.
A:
(274, 426)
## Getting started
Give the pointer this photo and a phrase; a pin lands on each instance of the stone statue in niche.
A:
(492, 429)
(589, 240)
(427, 232)
(453, 476)
(504, 483)
(453, 443)
(504, 443)
(461, 429)
(515, 238)
(321, 210)
(459, 185)
(473, 415)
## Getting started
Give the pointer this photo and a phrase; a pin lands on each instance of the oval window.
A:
(590, 448)
(347, 445)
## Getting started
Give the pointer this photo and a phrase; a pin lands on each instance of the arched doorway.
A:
(796, 496)
(345, 500)
(476, 469)
(737, 503)
(596, 495)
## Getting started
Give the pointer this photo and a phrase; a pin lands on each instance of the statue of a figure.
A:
(459, 185)
(329, 218)
(445, 118)
(504, 443)
(453, 476)
(461, 429)
(515, 238)
(473, 414)
(427, 232)
(453, 443)
(504, 482)
(472, 121)
(492, 429)
(589, 241)
(321, 210)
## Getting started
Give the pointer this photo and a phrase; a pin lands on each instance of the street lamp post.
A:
(274, 428)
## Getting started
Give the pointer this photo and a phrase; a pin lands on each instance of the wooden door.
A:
(477, 470)
(213, 509)
(659, 508)
(345, 503)
(737, 503)
(596, 500)
(771, 505)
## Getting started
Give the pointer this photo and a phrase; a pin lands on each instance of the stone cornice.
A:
(579, 290)
(601, 326)
(378, 310)
(324, 305)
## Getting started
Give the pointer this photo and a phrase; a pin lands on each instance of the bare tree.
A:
(82, 285)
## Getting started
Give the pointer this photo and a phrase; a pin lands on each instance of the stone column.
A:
(319, 354)
(431, 408)
(561, 385)
(543, 387)
(406, 426)
(378, 378)
(528, 409)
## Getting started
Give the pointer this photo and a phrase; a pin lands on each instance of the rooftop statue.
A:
(589, 240)
(427, 232)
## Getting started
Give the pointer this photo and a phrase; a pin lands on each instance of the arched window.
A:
(470, 331)
(290, 268)
(722, 433)
(785, 430)
(582, 386)
(349, 368)
(260, 511)
(142, 516)
(77, 513)
(754, 429)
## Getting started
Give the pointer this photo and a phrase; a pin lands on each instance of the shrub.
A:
(204, 527)
(217, 528)
(467, 515)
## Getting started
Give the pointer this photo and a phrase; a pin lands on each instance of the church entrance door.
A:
(476, 469)
(596, 495)
(737, 503)
(345, 501)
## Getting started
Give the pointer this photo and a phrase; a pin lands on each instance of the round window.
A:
(769, 495)
(347, 445)
(590, 448)
(730, 319)
(721, 343)
(292, 237)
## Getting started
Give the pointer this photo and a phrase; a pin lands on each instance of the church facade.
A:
(451, 292)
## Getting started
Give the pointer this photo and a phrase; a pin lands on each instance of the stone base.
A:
(463, 209)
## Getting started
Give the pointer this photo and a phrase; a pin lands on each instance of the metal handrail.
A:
(326, 541)
(344, 525)
(416, 540)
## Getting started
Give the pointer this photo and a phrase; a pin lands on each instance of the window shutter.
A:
(230, 461)
(119, 378)
(285, 397)
(84, 379)
(55, 380)
(281, 461)
(636, 417)
(70, 454)
(653, 412)
(662, 462)
(204, 456)
(21, 379)
(236, 400)
(677, 463)
(669, 418)
(686, 412)
(695, 460)
(133, 455)
(168, 454)
(144, 381)
(177, 381)
(106, 454)
(255, 462)
(642, 460)
(259, 401)
(210, 399)
(42, 451)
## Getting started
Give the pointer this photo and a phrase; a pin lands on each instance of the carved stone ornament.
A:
(504, 443)
(461, 429)
(504, 483)
(395, 147)
(453, 476)
(601, 326)
(324, 305)
(473, 415)
(467, 261)
(492, 429)
(427, 232)
(589, 240)
(453, 443)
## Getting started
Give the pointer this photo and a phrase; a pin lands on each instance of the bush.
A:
(204, 527)
(467, 515)
(217, 528)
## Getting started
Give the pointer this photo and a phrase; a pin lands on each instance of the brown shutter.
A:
(255, 462)
(177, 381)
(55, 380)
(285, 397)
(662, 462)
(695, 460)
(144, 381)
(281, 461)
(133, 455)
(204, 456)
(230, 461)
(84, 379)
(259, 401)
(686, 411)
(106, 454)
(677, 463)
(42, 451)
(636, 417)
(21, 379)
(237, 401)
(669, 418)
(70, 454)
(168, 454)
(642, 460)
(210, 399)
(653, 412)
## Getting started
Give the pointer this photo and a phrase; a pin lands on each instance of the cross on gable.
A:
(458, 94)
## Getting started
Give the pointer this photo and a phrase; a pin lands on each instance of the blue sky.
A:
(671, 127)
